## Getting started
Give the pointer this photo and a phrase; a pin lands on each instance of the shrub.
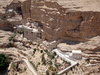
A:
(12, 37)
(4, 63)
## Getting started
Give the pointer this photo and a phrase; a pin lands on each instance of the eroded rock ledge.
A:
(62, 23)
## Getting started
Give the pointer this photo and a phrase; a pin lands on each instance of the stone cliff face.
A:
(60, 23)
(5, 25)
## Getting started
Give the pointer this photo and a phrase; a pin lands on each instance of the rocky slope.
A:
(25, 49)
(4, 38)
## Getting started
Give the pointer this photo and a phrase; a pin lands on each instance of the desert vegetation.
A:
(4, 62)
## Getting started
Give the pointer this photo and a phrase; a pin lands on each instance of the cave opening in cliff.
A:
(71, 42)
(38, 23)
(19, 10)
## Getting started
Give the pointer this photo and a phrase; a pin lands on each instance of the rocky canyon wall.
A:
(60, 23)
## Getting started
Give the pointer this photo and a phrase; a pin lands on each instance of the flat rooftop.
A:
(80, 5)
